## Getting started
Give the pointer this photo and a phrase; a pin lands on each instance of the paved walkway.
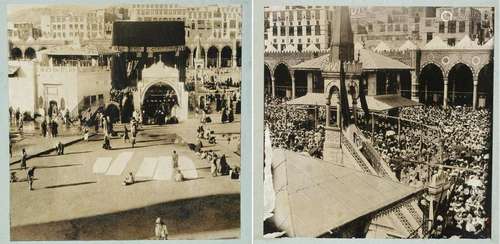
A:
(72, 201)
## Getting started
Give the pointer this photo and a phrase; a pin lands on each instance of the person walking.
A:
(30, 176)
(161, 232)
(44, 127)
(125, 134)
(175, 159)
(24, 159)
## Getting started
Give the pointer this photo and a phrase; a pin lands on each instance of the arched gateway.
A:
(161, 91)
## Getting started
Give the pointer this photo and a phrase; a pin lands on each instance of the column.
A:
(327, 123)
(445, 92)
(414, 86)
(309, 82)
(219, 58)
(293, 83)
(234, 62)
(474, 92)
(398, 83)
(192, 60)
(338, 111)
(206, 60)
(273, 86)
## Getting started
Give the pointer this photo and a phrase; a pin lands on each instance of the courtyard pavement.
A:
(74, 199)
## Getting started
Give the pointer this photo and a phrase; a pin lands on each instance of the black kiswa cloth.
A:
(343, 98)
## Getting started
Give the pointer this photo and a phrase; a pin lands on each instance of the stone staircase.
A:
(339, 147)
(331, 147)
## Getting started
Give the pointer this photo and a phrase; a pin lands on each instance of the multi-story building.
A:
(416, 23)
(214, 30)
(297, 26)
(95, 24)
(23, 31)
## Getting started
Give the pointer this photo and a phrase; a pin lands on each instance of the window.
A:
(461, 26)
(397, 28)
(317, 30)
(282, 31)
(308, 30)
(275, 31)
(441, 26)
(299, 47)
(405, 27)
(382, 28)
(452, 26)
(291, 31)
(429, 36)
(299, 30)
(389, 28)
(283, 47)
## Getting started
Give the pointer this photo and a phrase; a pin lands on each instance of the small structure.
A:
(160, 78)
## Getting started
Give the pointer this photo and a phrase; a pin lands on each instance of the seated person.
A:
(129, 179)
(13, 177)
(212, 139)
(178, 176)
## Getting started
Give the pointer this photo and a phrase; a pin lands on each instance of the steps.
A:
(331, 147)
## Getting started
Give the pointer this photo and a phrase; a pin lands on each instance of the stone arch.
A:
(29, 53)
(431, 84)
(485, 86)
(212, 56)
(112, 110)
(159, 98)
(331, 90)
(282, 80)
(460, 84)
(202, 52)
(16, 53)
(226, 57)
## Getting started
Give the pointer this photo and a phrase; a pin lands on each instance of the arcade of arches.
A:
(215, 56)
(17, 53)
(459, 86)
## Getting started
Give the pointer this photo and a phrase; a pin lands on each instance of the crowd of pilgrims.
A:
(457, 136)
(228, 102)
(293, 128)
(460, 137)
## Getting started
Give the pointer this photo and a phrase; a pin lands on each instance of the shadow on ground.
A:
(182, 217)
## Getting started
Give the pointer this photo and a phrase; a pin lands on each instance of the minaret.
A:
(341, 45)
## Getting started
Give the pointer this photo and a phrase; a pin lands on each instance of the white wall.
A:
(22, 87)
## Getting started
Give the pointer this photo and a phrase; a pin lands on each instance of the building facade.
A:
(297, 26)
(23, 31)
(72, 85)
(420, 24)
(95, 24)
(214, 30)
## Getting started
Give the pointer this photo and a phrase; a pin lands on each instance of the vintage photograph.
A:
(378, 122)
(124, 121)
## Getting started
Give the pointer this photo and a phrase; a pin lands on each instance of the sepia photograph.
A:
(378, 122)
(124, 121)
